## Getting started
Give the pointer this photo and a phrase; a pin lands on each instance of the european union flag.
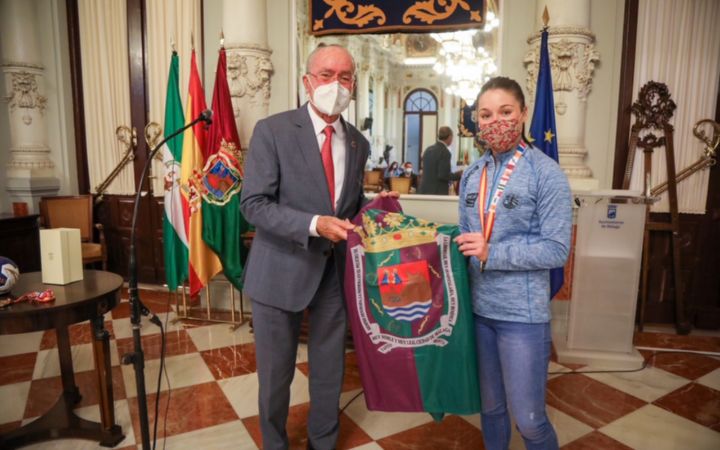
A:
(543, 132)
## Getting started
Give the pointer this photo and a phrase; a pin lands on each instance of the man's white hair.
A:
(323, 46)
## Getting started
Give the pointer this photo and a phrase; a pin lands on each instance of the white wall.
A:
(212, 23)
(517, 23)
(282, 32)
(606, 21)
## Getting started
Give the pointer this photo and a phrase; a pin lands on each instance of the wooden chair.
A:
(373, 181)
(400, 184)
(76, 211)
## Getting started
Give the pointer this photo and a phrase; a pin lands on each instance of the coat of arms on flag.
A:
(410, 311)
(405, 290)
(221, 177)
(407, 305)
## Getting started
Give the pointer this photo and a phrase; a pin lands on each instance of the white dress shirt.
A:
(338, 155)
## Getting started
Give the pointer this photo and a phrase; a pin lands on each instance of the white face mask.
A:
(331, 99)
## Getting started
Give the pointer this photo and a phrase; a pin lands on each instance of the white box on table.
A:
(61, 255)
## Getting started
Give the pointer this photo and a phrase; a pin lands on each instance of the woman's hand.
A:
(391, 194)
(473, 244)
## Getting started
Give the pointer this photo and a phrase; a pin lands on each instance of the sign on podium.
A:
(606, 276)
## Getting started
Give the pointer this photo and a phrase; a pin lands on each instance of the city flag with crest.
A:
(221, 183)
(410, 311)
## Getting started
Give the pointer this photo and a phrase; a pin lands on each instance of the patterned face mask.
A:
(501, 135)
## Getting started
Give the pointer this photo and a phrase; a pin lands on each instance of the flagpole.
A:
(137, 308)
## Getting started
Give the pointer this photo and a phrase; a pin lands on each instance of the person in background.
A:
(386, 152)
(409, 172)
(393, 170)
(515, 221)
(303, 180)
(436, 169)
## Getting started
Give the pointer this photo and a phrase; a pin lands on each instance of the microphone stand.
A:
(137, 308)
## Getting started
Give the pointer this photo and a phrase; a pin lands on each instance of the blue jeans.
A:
(513, 361)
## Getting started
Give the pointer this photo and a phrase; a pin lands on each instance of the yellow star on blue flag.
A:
(549, 135)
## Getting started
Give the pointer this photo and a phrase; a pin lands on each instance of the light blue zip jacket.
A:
(531, 235)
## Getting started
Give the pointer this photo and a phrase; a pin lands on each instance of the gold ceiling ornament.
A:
(425, 11)
(343, 8)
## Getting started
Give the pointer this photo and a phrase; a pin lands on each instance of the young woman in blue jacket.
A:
(515, 218)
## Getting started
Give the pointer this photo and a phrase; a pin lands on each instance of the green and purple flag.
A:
(410, 311)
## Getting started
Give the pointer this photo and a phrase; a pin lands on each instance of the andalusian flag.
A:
(410, 310)
(175, 243)
(543, 131)
(204, 264)
(223, 223)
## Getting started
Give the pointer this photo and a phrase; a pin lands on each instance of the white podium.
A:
(606, 275)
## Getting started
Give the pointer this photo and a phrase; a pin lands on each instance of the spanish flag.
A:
(203, 263)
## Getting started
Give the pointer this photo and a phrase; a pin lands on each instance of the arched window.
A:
(421, 101)
(420, 125)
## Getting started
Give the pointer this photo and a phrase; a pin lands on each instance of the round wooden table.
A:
(88, 299)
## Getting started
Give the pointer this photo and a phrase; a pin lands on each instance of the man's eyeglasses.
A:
(327, 77)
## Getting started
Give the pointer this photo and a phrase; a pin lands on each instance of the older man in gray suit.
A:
(436, 170)
(303, 180)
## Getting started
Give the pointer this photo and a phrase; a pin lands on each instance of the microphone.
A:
(206, 116)
(137, 308)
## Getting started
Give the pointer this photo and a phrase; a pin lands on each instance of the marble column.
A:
(573, 57)
(249, 64)
(392, 117)
(378, 142)
(362, 89)
(363, 84)
(30, 173)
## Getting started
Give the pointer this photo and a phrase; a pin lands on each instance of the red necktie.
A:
(327, 161)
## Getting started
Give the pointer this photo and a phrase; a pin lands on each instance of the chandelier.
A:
(466, 65)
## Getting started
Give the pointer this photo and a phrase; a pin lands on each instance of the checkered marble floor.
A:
(673, 404)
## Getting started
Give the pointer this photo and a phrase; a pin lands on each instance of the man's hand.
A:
(333, 228)
(473, 244)
(393, 194)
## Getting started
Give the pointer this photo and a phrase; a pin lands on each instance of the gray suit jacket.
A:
(436, 170)
(284, 187)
